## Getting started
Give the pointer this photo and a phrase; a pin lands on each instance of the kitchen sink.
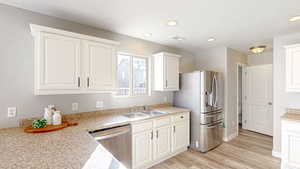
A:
(143, 114)
(153, 113)
(136, 115)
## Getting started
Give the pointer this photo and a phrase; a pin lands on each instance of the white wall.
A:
(260, 59)
(16, 67)
(234, 58)
(282, 99)
(212, 59)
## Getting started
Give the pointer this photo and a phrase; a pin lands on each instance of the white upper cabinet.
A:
(293, 68)
(71, 63)
(100, 62)
(59, 62)
(166, 71)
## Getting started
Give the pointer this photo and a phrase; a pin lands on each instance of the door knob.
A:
(270, 103)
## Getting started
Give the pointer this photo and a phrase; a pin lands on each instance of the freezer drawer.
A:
(211, 135)
(211, 117)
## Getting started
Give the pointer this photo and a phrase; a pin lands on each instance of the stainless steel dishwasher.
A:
(117, 140)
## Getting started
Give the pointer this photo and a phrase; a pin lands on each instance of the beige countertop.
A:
(70, 148)
(291, 117)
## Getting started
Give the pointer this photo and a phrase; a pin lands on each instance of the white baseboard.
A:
(276, 154)
(230, 137)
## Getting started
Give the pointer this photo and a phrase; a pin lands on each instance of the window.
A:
(132, 75)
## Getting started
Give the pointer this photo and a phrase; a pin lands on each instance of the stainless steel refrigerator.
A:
(202, 92)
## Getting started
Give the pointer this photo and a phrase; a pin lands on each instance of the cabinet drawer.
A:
(142, 126)
(181, 117)
(162, 121)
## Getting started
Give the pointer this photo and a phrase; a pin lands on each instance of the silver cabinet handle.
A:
(88, 82)
(78, 81)
(151, 135)
(174, 129)
(270, 103)
(156, 133)
(166, 83)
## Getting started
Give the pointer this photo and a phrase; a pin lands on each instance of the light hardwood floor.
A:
(247, 151)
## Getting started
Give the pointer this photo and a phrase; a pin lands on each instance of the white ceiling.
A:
(234, 23)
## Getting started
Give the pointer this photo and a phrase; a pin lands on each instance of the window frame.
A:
(131, 79)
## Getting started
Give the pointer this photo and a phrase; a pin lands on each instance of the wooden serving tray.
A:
(48, 128)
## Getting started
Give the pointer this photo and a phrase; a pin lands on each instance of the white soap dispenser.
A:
(57, 118)
(48, 116)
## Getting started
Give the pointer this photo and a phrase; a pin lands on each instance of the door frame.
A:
(243, 93)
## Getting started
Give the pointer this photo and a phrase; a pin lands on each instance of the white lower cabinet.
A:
(142, 148)
(180, 136)
(162, 146)
(290, 157)
(156, 140)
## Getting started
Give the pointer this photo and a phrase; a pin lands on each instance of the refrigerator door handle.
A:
(216, 91)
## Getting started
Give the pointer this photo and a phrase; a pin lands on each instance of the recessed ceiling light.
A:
(178, 38)
(172, 23)
(295, 18)
(211, 39)
(148, 34)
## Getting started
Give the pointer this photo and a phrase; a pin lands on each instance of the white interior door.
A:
(259, 110)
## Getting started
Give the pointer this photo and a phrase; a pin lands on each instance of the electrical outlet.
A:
(166, 99)
(74, 106)
(11, 112)
(99, 104)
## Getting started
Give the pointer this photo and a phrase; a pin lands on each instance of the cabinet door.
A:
(291, 149)
(180, 135)
(142, 148)
(293, 68)
(171, 72)
(163, 142)
(100, 63)
(58, 62)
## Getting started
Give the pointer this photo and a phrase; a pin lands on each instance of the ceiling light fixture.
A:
(178, 38)
(172, 23)
(148, 34)
(258, 49)
(211, 39)
(295, 18)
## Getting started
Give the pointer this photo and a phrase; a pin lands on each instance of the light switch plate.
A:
(11, 112)
(74, 106)
(99, 104)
